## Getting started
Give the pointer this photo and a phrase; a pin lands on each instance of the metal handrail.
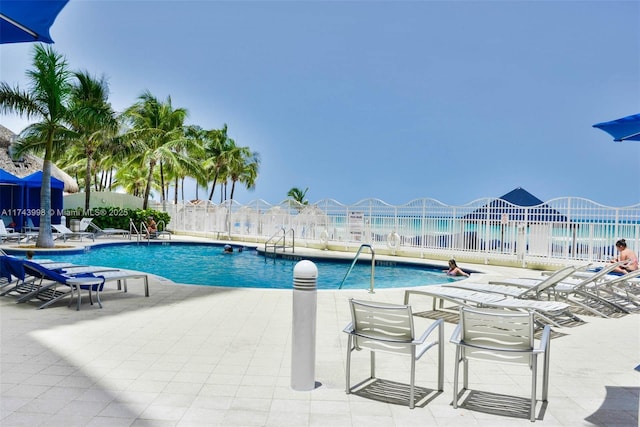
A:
(132, 227)
(355, 259)
(279, 239)
(143, 227)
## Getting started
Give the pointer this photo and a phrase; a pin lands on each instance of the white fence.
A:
(560, 229)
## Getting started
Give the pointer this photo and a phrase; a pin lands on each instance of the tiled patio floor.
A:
(202, 356)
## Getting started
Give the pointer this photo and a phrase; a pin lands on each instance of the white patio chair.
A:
(502, 337)
(389, 328)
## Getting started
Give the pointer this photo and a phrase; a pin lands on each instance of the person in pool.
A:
(228, 249)
(625, 254)
(454, 270)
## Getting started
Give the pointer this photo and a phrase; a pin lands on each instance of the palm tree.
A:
(46, 100)
(298, 195)
(243, 168)
(191, 159)
(156, 137)
(217, 143)
(92, 119)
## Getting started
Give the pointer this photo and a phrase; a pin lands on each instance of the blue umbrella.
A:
(28, 20)
(624, 129)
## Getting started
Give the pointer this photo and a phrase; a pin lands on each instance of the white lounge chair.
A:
(87, 225)
(523, 289)
(389, 328)
(500, 337)
(66, 233)
(541, 284)
(552, 312)
(8, 234)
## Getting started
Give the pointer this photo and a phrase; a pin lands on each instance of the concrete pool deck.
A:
(203, 356)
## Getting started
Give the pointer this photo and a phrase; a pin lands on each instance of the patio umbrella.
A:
(624, 129)
(28, 20)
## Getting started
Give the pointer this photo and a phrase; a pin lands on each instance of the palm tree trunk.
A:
(213, 186)
(87, 184)
(147, 190)
(175, 190)
(162, 189)
(45, 238)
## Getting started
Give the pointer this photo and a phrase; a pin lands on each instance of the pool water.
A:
(206, 264)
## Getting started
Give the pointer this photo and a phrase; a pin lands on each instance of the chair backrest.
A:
(382, 327)
(497, 335)
(60, 228)
(43, 272)
(6, 220)
(13, 266)
(85, 223)
(623, 278)
(554, 279)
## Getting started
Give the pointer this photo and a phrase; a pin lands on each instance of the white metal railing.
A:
(560, 229)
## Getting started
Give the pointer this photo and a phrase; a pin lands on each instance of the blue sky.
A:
(451, 100)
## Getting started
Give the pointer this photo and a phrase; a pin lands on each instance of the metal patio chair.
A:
(500, 337)
(389, 328)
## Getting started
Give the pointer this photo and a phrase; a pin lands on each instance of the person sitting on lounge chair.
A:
(152, 227)
(626, 254)
(454, 270)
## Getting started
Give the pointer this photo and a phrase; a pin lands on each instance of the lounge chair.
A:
(580, 289)
(9, 275)
(552, 312)
(8, 234)
(382, 327)
(625, 288)
(520, 290)
(66, 233)
(500, 337)
(530, 282)
(121, 277)
(587, 295)
(60, 285)
(87, 225)
(12, 270)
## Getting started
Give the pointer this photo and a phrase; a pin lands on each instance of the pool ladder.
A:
(355, 259)
(279, 241)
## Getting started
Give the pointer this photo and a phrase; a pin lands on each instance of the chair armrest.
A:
(455, 336)
(438, 323)
(349, 328)
(544, 340)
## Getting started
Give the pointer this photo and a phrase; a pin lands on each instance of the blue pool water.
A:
(205, 264)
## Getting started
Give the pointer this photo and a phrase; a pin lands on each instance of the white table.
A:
(77, 282)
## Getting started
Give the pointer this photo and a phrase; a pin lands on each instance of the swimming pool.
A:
(207, 264)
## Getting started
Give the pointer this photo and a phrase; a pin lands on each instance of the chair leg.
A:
(465, 379)
(98, 297)
(373, 364)
(349, 349)
(413, 380)
(455, 378)
(441, 357)
(534, 374)
(545, 375)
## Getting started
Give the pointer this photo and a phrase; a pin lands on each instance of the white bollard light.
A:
(303, 341)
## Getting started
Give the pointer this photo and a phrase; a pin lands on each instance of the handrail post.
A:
(355, 259)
